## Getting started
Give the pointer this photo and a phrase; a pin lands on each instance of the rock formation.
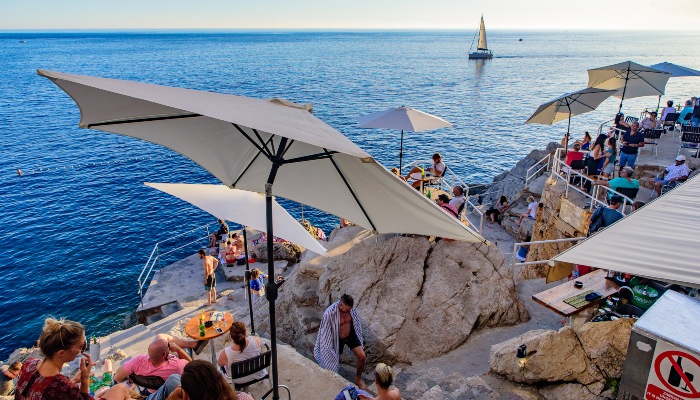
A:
(417, 299)
(577, 361)
(287, 251)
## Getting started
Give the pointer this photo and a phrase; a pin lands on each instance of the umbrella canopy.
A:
(658, 241)
(675, 70)
(629, 79)
(405, 119)
(565, 106)
(243, 207)
(235, 139)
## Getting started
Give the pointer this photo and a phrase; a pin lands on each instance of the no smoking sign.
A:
(675, 374)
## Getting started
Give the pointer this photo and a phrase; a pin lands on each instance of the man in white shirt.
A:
(676, 172)
(457, 197)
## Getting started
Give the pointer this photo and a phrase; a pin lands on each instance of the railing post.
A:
(158, 257)
(568, 180)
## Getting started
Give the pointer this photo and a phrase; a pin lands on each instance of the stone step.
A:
(166, 324)
(134, 340)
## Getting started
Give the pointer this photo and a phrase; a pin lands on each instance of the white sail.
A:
(482, 36)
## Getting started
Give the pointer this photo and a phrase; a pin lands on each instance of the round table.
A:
(192, 329)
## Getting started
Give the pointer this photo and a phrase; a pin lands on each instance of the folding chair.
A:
(244, 368)
(629, 120)
(670, 121)
(147, 382)
(690, 139)
(651, 137)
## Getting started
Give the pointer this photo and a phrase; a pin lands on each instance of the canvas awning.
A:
(658, 241)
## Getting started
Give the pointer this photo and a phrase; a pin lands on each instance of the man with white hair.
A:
(673, 173)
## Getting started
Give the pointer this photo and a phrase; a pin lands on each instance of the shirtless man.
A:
(209, 264)
(340, 326)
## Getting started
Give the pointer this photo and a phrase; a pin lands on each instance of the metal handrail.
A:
(518, 245)
(143, 280)
(455, 179)
(544, 160)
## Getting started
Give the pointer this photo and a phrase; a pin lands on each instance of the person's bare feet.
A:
(360, 384)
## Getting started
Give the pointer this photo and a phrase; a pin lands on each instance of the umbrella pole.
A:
(658, 104)
(247, 281)
(401, 153)
(568, 129)
(624, 89)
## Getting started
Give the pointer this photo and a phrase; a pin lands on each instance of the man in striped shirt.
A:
(340, 326)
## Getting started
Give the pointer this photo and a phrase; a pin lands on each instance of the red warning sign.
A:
(675, 374)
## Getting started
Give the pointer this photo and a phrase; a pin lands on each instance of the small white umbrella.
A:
(565, 106)
(629, 79)
(243, 207)
(404, 118)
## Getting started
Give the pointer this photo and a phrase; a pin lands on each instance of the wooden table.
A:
(192, 329)
(554, 298)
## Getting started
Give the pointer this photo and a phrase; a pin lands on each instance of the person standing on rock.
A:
(209, 264)
(340, 326)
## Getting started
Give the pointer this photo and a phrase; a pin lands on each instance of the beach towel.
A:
(326, 348)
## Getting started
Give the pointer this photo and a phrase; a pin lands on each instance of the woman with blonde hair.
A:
(60, 342)
(201, 381)
(383, 378)
(243, 347)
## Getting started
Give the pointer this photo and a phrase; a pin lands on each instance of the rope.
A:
(21, 171)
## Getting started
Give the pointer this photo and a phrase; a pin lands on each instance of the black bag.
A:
(240, 261)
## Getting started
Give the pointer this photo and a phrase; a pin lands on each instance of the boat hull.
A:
(480, 55)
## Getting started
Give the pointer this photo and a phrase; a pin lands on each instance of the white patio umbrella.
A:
(629, 79)
(263, 147)
(404, 118)
(658, 241)
(676, 71)
(565, 106)
(245, 208)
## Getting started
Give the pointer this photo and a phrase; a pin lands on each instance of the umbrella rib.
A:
(352, 192)
(648, 83)
(311, 157)
(264, 144)
(262, 149)
(246, 169)
(144, 119)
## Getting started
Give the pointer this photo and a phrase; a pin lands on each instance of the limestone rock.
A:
(287, 251)
(22, 354)
(552, 357)
(573, 391)
(606, 343)
(416, 299)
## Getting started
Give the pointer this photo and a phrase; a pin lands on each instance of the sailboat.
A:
(482, 52)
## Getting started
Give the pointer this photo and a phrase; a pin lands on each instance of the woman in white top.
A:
(243, 348)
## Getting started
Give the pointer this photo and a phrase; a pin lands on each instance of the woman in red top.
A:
(60, 342)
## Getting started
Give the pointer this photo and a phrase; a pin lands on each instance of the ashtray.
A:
(578, 284)
(208, 324)
(592, 296)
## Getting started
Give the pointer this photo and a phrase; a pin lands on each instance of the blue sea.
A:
(77, 228)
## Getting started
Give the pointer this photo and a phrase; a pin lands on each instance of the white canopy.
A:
(243, 207)
(235, 138)
(630, 78)
(675, 70)
(658, 241)
(570, 104)
(403, 118)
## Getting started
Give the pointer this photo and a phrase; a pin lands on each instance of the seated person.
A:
(532, 208)
(243, 347)
(444, 202)
(216, 236)
(201, 381)
(257, 282)
(650, 122)
(435, 171)
(158, 362)
(621, 124)
(521, 254)
(383, 378)
(232, 252)
(396, 172)
(669, 109)
(575, 154)
(584, 144)
(7, 375)
(688, 109)
(458, 199)
(637, 205)
(625, 181)
(673, 173)
(605, 216)
(498, 210)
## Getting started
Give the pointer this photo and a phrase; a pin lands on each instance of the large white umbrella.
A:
(629, 79)
(565, 106)
(263, 147)
(243, 207)
(404, 118)
(676, 71)
(658, 241)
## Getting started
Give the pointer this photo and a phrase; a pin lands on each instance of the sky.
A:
(355, 14)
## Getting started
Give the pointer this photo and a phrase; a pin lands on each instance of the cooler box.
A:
(663, 357)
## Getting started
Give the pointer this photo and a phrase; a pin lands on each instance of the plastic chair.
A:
(244, 368)
(690, 138)
(651, 137)
(147, 381)
(670, 121)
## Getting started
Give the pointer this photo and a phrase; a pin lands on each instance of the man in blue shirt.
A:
(631, 142)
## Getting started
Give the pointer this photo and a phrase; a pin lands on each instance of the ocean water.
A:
(75, 237)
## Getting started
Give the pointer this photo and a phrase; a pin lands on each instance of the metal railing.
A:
(155, 257)
(448, 180)
(517, 246)
(536, 169)
(562, 171)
